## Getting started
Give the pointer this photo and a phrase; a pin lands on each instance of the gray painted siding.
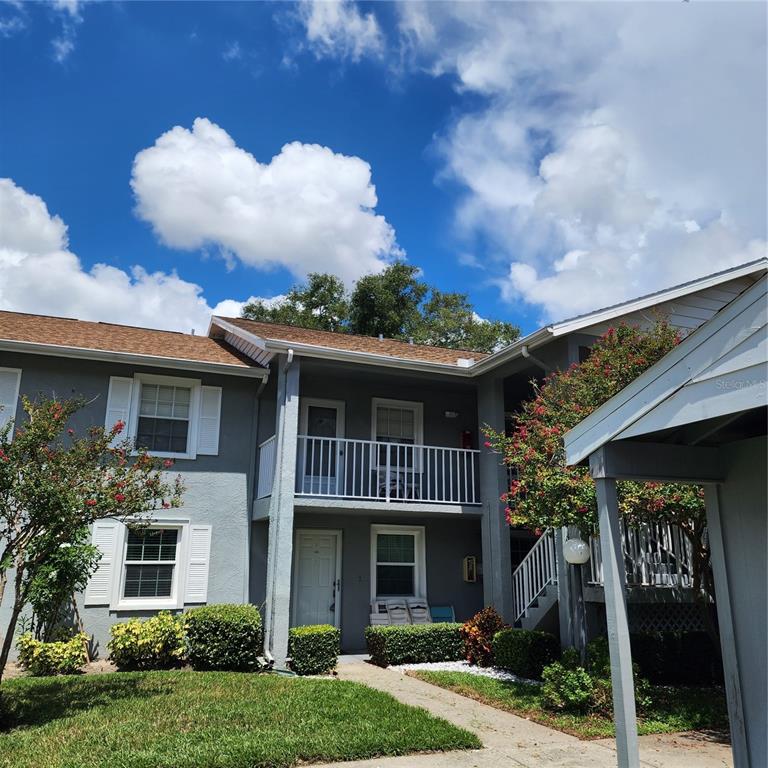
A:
(447, 542)
(219, 488)
(744, 519)
(357, 389)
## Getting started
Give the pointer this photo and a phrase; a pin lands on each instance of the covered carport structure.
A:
(697, 416)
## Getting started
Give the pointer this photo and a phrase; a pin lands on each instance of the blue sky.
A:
(508, 161)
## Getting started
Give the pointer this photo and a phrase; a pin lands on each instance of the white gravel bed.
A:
(464, 666)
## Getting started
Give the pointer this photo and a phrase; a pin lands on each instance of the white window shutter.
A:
(118, 404)
(10, 378)
(99, 589)
(208, 426)
(196, 589)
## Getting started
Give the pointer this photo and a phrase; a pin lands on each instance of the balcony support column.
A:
(496, 557)
(277, 612)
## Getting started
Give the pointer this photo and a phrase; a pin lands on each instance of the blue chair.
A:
(442, 613)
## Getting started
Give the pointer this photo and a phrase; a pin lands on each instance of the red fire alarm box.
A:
(466, 439)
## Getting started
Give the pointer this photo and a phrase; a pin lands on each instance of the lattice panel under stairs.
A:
(665, 617)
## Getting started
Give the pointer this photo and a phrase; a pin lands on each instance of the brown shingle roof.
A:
(352, 343)
(107, 337)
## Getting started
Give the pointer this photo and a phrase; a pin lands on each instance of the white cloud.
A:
(618, 147)
(41, 275)
(307, 209)
(232, 51)
(337, 28)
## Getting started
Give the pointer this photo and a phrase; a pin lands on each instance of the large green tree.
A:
(54, 483)
(395, 303)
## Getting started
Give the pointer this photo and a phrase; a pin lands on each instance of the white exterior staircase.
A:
(655, 555)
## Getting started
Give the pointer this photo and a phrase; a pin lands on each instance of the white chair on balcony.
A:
(419, 610)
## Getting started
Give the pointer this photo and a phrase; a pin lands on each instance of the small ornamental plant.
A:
(478, 634)
(55, 482)
(314, 650)
(55, 658)
(155, 643)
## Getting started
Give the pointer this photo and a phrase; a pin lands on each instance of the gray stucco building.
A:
(325, 472)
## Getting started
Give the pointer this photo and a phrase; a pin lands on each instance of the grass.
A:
(207, 719)
(672, 710)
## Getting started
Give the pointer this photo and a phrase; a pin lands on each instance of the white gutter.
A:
(135, 358)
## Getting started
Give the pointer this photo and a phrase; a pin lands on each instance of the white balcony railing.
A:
(655, 555)
(537, 570)
(267, 459)
(370, 470)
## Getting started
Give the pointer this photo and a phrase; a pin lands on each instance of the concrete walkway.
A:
(512, 741)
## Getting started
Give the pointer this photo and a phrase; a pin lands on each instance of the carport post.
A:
(614, 576)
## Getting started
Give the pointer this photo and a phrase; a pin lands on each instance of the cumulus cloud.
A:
(337, 28)
(41, 275)
(307, 209)
(618, 148)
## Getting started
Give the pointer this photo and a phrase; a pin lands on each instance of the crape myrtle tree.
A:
(545, 492)
(54, 483)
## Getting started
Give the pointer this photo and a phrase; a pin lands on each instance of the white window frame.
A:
(418, 428)
(419, 551)
(176, 599)
(194, 385)
(18, 372)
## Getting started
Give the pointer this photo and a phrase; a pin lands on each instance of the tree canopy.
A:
(395, 303)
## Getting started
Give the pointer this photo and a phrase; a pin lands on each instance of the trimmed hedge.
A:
(414, 643)
(314, 650)
(226, 636)
(57, 658)
(156, 643)
(525, 653)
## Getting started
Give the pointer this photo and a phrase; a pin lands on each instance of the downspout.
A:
(524, 351)
(252, 486)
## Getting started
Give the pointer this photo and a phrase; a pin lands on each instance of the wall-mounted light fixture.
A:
(469, 568)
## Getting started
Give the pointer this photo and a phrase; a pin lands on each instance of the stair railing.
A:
(537, 570)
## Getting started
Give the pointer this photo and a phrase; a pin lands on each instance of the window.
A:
(10, 378)
(150, 563)
(397, 555)
(399, 422)
(164, 414)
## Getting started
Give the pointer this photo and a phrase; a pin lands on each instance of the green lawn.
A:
(673, 709)
(202, 719)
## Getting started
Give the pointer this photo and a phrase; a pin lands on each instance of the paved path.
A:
(515, 742)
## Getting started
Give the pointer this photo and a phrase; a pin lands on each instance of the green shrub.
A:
(568, 690)
(414, 643)
(314, 650)
(523, 652)
(227, 636)
(59, 658)
(156, 643)
(478, 634)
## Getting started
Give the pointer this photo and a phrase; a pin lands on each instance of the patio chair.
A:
(419, 611)
(442, 613)
(379, 614)
(398, 612)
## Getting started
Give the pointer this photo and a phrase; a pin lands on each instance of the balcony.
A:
(368, 470)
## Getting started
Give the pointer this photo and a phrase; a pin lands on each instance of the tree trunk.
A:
(81, 628)
(18, 604)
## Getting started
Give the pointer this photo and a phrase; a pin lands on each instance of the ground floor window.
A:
(397, 561)
(151, 559)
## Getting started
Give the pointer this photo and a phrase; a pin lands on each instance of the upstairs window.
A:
(399, 422)
(164, 414)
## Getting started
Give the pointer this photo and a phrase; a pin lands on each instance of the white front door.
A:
(317, 578)
(321, 450)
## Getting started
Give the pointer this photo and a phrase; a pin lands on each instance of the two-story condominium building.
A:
(326, 473)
